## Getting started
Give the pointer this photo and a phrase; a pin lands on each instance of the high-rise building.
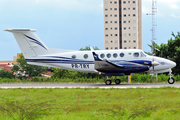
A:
(122, 24)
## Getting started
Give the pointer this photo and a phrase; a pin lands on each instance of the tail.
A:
(29, 43)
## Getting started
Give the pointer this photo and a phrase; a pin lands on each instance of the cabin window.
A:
(74, 56)
(85, 56)
(136, 54)
(121, 54)
(108, 55)
(102, 55)
(115, 55)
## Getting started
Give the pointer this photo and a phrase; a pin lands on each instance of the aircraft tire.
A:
(108, 82)
(117, 81)
(171, 80)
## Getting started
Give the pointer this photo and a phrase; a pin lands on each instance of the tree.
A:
(174, 51)
(154, 48)
(87, 48)
(171, 51)
(24, 69)
(6, 74)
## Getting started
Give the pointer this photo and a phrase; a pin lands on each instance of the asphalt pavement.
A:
(122, 86)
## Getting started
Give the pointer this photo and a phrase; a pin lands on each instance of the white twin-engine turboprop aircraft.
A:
(110, 62)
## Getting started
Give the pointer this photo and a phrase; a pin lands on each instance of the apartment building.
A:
(122, 24)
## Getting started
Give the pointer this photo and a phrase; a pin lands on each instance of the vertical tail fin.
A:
(29, 43)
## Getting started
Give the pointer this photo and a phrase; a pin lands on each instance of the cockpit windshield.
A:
(143, 54)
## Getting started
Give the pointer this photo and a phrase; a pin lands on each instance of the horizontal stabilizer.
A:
(20, 30)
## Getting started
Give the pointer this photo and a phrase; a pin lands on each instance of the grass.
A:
(90, 104)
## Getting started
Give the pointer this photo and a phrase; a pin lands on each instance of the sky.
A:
(73, 24)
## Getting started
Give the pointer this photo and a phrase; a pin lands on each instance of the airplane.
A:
(109, 62)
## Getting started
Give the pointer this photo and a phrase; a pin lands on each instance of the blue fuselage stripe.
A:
(59, 61)
(64, 60)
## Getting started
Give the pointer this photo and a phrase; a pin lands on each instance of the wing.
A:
(105, 64)
(118, 66)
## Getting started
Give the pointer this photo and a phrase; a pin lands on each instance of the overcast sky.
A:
(72, 24)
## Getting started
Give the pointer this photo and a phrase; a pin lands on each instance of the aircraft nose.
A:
(173, 64)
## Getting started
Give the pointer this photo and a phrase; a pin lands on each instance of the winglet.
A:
(91, 48)
(96, 58)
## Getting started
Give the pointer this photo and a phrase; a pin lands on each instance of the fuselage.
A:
(83, 61)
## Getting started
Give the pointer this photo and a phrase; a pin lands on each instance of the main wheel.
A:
(117, 81)
(171, 80)
(108, 82)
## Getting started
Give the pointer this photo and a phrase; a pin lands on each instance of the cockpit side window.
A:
(136, 54)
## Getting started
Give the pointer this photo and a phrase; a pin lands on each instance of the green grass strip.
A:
(90, 104)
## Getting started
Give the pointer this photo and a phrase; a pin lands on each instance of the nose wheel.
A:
(171, 80)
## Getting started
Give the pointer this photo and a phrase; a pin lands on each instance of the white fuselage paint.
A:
(65, 61)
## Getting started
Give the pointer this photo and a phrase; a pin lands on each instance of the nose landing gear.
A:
(171, 80)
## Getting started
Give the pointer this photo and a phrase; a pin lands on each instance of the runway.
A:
(121, 86)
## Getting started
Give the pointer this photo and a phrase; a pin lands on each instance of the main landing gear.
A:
(171, 80)
(117, 81)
